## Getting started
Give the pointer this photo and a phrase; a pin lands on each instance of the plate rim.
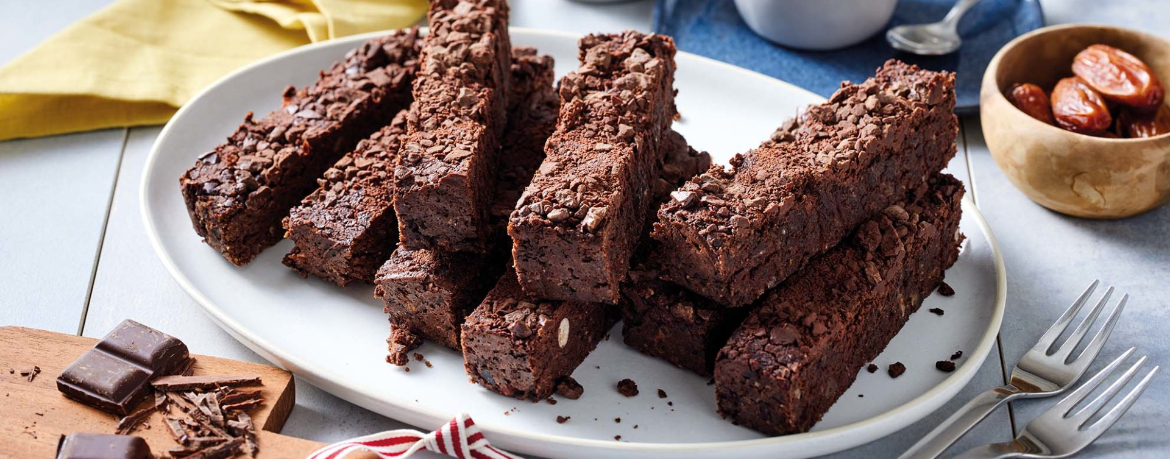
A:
(923, 404)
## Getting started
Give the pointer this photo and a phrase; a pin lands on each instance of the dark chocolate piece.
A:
(802, 347)
(732, 234)
(578, 222)
(205, 382)
(102, 446)
(116, 373)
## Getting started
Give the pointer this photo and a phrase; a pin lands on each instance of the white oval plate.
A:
(335, 338)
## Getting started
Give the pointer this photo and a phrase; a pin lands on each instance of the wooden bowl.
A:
(1071, 173)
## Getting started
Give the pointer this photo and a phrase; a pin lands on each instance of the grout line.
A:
(97, 257)
(975, 198)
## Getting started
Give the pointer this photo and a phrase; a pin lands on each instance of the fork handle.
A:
(951, 430)
(992, 451)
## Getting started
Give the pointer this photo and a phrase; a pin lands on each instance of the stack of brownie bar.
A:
(516, 222)
(238, 193)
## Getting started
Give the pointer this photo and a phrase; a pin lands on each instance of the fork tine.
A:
(1082, 329)
(1099, 402)
(1065, 405)
(1098, 341)
(1057, 328)
(1122, 407)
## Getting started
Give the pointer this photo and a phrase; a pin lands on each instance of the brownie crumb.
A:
(957, 355)
(617, 437)
(670, 404)
(427, 363)
(570, 388)
(551, 401)
(627, 387)
(945, 289)
(937, 311)
(563, 419)
(418, 357)
(896, 369)
(635, 426)
(872, 368)
(407, 369)
(617, 420)
(661, 393)
(945, 366)
(860, 395)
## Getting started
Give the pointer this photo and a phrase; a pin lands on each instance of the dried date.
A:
(1032, 100)
(1078, 108)
(1140, 125)
(1119, 77)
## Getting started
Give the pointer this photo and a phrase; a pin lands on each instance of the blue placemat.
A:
(713, 28)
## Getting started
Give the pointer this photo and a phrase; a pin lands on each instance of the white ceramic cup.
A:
(817, 25)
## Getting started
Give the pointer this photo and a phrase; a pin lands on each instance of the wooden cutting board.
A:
(33, 415)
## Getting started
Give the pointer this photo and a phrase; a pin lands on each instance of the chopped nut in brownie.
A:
(896, 369)
(945, 289)
(945, 366)
(627, 387)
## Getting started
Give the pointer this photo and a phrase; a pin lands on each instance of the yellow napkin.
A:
(135, 62)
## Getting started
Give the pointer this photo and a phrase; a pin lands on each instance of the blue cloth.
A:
(713, 28)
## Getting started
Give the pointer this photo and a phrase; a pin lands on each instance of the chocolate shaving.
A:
(221, 451)
(127, 423)
(31, 373)
(242, 405)
(175, 383)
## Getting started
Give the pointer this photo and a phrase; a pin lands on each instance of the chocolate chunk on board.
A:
(115, 374)
(102, 446)
(205, 382)
(802, 348)
(521, 346)
(428, 293)
(447, 168)
(238, 193)
(732, 234)
(577, 224)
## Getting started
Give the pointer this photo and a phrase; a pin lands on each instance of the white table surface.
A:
(74, 257)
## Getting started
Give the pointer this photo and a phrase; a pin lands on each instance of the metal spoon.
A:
(931, 39)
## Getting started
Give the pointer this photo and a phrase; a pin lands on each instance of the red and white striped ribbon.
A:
(459, 438)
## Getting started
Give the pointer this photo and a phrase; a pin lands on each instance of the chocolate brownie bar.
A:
(733, 234)
(806, 342)
(446, 174)
(429, 292)
(346, 228)
(238, 193)
(663, 320)
(521, 346)
(578, 222)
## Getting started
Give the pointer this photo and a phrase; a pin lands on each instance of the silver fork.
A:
(1061, 433)
(1044, 371)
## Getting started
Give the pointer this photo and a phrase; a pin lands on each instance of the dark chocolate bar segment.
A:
(346, 228)
(577, 225)
(238, 193)
(116, 373)
(102, 446)
(791, 359)
(446, 174)
(731, 234)
(521, 346)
